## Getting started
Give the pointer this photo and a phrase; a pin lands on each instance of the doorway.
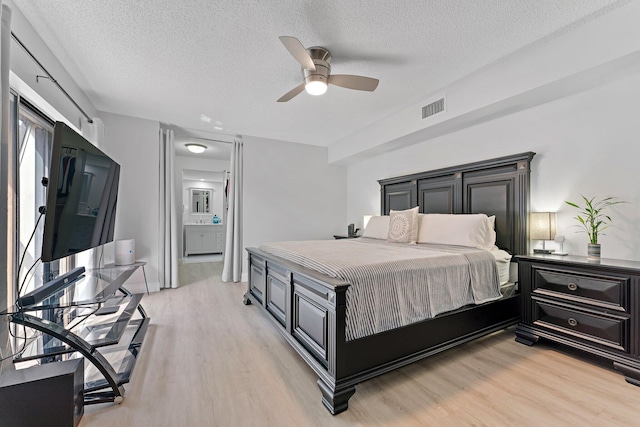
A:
(204, 207)
(201, 199)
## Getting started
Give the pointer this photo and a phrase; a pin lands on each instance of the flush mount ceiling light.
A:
(196, 148)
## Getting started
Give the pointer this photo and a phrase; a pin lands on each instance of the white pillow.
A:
(377, 227)
(403, 226)
(474, 230)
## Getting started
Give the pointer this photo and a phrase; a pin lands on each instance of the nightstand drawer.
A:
(603, 291)
(608, 331)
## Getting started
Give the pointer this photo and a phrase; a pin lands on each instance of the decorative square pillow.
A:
(403, 226)
(377, 227)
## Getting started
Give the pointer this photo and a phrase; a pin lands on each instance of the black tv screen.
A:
(81, 196)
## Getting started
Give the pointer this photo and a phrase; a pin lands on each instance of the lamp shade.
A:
(542, 225)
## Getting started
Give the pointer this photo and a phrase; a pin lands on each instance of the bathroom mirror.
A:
(201, 199)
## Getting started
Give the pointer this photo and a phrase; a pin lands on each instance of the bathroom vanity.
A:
(203, 239)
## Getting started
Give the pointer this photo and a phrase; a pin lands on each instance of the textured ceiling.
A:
(174, 61)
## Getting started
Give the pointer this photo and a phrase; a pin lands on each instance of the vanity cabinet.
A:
(203, 239)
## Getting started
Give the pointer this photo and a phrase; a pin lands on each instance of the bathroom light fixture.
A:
(196, 148)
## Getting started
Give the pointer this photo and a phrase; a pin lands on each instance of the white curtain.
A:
(168, 220)
(232, 269)
(6, 219)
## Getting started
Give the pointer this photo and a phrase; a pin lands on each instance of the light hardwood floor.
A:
(208, 360)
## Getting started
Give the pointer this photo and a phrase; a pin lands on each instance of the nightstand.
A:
(591, 306)
(344, 236)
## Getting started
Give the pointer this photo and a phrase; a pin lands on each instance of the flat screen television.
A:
(81, 196)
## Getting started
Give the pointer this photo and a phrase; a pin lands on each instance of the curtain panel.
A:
(168, 219)
(232, 269)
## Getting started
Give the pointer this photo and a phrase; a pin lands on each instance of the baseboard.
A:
(245, 277)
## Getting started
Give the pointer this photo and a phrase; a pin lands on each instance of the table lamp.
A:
(543, 227)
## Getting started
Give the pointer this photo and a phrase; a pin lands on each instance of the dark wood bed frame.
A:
(309, 308)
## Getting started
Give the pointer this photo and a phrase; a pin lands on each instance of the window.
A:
(34, 140)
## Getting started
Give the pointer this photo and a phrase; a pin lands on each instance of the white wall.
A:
(291, 193)
(585, 143)
(134, 144)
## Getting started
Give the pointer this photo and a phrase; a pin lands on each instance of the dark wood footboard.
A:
(306, 306)
(309, 310)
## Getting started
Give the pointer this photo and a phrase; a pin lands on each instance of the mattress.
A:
(395, 284)
(503, 262)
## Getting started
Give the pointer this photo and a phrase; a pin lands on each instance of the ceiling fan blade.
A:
(293, 92)
(298, 51)
(354, 82)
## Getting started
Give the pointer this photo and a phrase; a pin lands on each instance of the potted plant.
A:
(593, 221)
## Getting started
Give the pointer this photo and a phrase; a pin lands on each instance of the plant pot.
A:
(593, 251)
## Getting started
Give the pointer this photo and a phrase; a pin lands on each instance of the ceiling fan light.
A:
(196, 148)
(315, 87)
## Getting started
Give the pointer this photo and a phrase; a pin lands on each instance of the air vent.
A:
(433, 108)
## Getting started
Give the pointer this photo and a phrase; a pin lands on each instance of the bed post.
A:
(335, 399)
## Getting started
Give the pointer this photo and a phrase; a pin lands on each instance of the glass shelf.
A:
(94, 287)
(122, 357)
(96, 331)
(94, 317)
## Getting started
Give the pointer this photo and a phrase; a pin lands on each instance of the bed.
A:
(311, 308)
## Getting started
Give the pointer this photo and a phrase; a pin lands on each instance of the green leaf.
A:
(591, 217)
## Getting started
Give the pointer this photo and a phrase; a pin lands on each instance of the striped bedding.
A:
(395, 284)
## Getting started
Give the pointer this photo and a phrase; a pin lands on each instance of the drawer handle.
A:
(572, 321)
(572, 286)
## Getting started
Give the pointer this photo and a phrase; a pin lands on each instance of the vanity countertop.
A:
(202, 223)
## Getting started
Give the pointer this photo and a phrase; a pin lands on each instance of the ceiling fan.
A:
(316, 71)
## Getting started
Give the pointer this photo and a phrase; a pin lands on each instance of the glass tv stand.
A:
(93, 316)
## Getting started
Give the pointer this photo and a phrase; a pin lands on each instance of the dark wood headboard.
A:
(497, 187)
